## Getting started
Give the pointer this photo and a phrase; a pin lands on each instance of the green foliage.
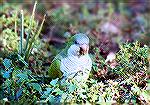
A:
(21, 86)
(7, 63)
(132, 58)
(53, 82)
(19, 83)
(10, 24)
(98, 61)
(28, 27)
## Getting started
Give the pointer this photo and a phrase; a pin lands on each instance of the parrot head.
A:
(79, 45)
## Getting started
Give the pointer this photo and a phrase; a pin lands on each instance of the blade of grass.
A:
(34, 38)
(21, 33)
(16, 23)
(30, 26)
(110, 11)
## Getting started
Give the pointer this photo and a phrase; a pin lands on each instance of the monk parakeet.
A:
(73, 60)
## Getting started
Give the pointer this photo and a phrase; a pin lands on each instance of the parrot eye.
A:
(76, 42)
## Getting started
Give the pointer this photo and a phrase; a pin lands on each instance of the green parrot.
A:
(73, 60)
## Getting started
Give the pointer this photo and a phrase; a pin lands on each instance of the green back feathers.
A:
(54, 70)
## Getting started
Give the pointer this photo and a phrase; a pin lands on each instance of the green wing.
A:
(54, 70)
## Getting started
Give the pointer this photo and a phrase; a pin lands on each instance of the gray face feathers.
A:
(81, 39)
(80, 45)
(73, 50)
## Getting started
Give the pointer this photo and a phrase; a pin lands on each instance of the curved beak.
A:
(84, 49)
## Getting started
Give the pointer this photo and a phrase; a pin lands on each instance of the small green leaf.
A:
(43, 96)
(27, 71)
(36, 86)
(23, 76)
(22, 60)
(8, 83)
(83, 96)
(54, 82)
(10, 70)
(19, 93)
(15, 72)
(6, 75)
(48, 90)
(46, 93)
(94, 97)
(7, 63)
(58, 91)
(64, 96)
(100, 99)
(72, 88)
(145, 94)
(51, 98)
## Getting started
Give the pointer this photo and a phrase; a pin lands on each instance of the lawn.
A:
(33, 33)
